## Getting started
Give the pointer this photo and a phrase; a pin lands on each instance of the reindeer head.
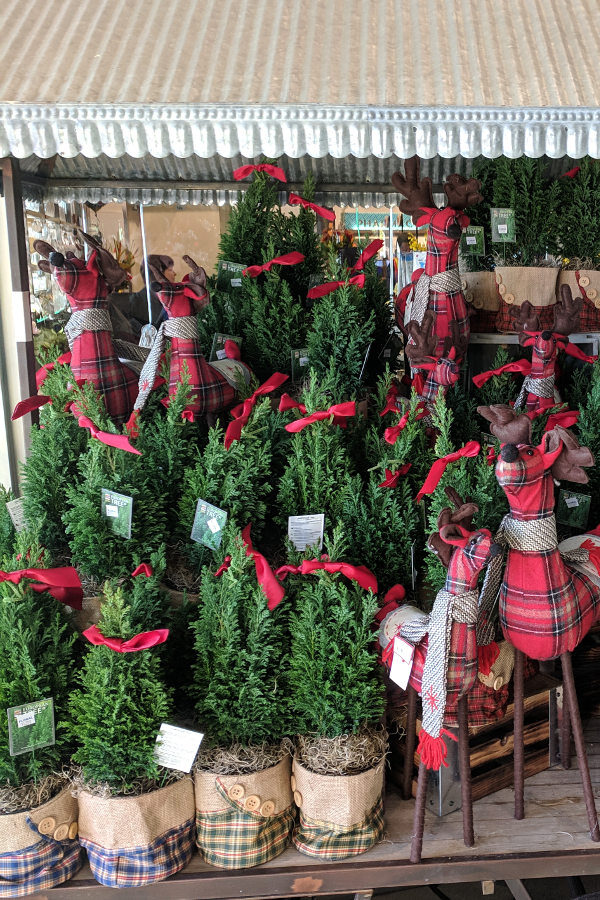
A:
(86, 284)
(460, 513)
(183, 298)
(472, 551)
(443, 371)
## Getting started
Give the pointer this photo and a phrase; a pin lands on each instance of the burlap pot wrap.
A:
(479, 290)
(515, 284)
(244, 820)
(583, 283)
(501, 671)
(340, 815)
(132, 841)
(39, 847)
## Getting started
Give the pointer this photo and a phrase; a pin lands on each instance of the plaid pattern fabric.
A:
(483, 321)
(39, 867)
(94, 357)
(210, 391)
(329, 841)
(589, 317)
(462, 665)
(443, 376)
(505, 316)
(136, 866)
(236, 838)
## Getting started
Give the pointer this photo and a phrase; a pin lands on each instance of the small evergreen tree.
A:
(579, 220)
(240, 684)
(500, 388)
(7, 529)
(589, 436)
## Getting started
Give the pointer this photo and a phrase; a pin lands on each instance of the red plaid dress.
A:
(546, 607)
(210, 391)
(93, 354)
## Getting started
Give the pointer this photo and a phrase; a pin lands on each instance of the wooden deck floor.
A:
(551, 841)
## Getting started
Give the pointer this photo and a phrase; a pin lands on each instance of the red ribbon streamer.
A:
(40, 375)
(244, 171)
(288, 259)
(523, 366)
(26, 406)
(491, 456)
(363, 576)
(187, 415)
(265, 576)
(367, 254)
(392, 433)
(574, 351)
(339, 411)
(63, 583)
(295, 200)
(120, 441)
(390, 401)
(223, 567)
(391, 601)
(286, 402)
(392, 478)
(143, 641)
(566, 418)
(321, 290)
(142, 569)
(439, 467)
(572, 172)
(241, 412)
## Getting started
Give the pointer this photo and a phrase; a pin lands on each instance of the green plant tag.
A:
(17, 513)
(503, 226)
(208, 526)
(472, 242)
(573, 509)
(30, 726)
(229, 275)
(118, 509)
(299, 363)
(217, 351)
(306, 531)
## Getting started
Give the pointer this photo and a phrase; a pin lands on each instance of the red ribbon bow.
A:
(187, 415)
(321, 290)
(294, 200)
(390, 401)
(392, 433)
(62, 583)
(572, 172)
(288, 259)
(120, 441)
(439, 467)
(339, 411)
(363, 576)
(491, 455)
(40, 375)
(367, 254)
(142, 569)
(523, 366)
(286, 402)
(26, 406)
(392, 478)
(223, 567)
(265, 576)
(241, 412)
(142, 641)
(274, 171)
(390, 602)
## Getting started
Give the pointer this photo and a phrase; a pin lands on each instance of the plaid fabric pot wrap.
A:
(519, 283)
(39, 848)
(244, 820)
(131, 841)
(584, 283)
(340, 815)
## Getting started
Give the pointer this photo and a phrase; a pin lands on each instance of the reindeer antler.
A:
(568, 466)
(525, 318)
(417, 191)
(112, 272)
(462, 192)
(567, 311)
(462, 514)
(197, 279)
(422, 351)
(508, 427)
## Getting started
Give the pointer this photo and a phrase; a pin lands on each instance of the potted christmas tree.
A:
(136, 818)
(579, 239)
(38, 815)
(244, 807)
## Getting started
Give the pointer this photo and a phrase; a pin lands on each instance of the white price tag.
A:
(471, 240)
(221, 354)
(112, 511)
(213, 525)
(303, 361)
(236, 282)
(176, 748)
(306, 531)
(502, 229)
(27, 718)
(571, 502)
(402, 662)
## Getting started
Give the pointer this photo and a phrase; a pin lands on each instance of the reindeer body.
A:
(93, 354)
(539, 392)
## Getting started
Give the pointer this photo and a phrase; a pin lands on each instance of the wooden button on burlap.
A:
(236, 792)
(509, 298)
(252, 803)
(293, 782)
(498, 682)
(61, 832)
(502, 289)
(73, 830)
(584, 281)
(268, 808)
(47, 825)
(297, 798)
(592, 294)
(463, 283)
(498, 278)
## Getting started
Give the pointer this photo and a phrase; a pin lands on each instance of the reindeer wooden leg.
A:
(416, 846)
(409, 744)
(571, 697)
(519, 772)
(565, 734)
(464, 763)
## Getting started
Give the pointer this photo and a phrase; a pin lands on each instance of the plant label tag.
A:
(573, 509)
(470, 240)
(229, 275)
(473, 241)
(503, 226)
(30, 726)
(176, 748)
(17, 513)
(208, 526)
(306, 531)
(217, 350)
(299, 362)
(402, 662)
(118, 509)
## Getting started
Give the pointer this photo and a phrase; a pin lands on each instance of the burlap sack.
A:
(342, 800)
(244, 820)
(133, 841)
(583, 283)
(515, 284)
(501, 672)
(479, 290)
(39, 847)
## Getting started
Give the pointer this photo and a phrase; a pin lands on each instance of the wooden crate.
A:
(491, 749)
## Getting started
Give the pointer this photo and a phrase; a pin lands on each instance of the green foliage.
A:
(250, 222)
(500, 388)
(576, 388)
(118, 709)
(579, 222)
(37, 661)
(589, 436)
(299, 232)
(335, 680)
(240, 684)
(464, 425)
(7, 529)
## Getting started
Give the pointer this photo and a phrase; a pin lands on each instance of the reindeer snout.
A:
(546, 335)
(509, 453)
(495, 550)
(56, 259)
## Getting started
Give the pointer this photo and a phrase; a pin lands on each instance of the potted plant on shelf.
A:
(579, 239)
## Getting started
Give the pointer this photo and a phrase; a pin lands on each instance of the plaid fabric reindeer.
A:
(433, 374)
(212, 385)
(438, 285)
(94, 356)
